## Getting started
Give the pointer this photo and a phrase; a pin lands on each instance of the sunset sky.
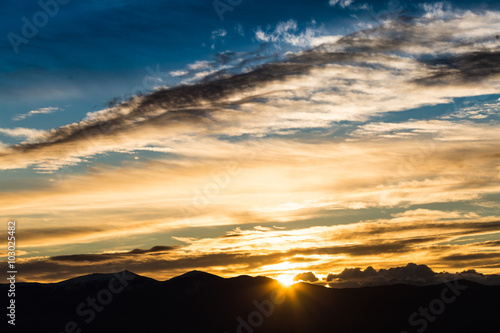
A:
(262, 137)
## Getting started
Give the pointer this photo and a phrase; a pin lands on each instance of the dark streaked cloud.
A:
(381, 247)
(472, 256)
(409, 274)
(111, 256)
(412, 271)
(33, 234)
(471, 67)
(306, 277)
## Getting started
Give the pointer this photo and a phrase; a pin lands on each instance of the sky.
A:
(327, 138)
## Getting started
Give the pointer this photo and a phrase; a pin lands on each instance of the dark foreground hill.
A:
(203, 303)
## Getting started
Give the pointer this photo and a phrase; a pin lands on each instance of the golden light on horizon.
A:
(286, 279)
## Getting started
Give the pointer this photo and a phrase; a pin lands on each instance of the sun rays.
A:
(286, 279)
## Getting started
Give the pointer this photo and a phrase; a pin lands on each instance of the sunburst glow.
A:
(286, 279)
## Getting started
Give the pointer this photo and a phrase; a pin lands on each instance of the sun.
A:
(286, 279)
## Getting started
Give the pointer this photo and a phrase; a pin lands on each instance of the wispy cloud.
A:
(287, 32)
(341, 3)
(439, 9)
(46, 110)
(22, 132)
(219, 33)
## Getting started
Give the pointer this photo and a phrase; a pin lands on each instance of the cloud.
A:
(46, 110)
(219, 33)
(440, 9)
(286, 32)
(409, 274)
(341, 3)
(472, 256)
(202, 64)
(471, 67)
(438, 130)
(306, 277)
(178, 73)
(22, 132)
(357, 77)
(111, 256)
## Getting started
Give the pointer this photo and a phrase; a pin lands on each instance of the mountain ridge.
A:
(202, 302)
(205, 275)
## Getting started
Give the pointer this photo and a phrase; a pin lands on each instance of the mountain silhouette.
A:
(202, 302)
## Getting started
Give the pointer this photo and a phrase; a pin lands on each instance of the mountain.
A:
(201, 302)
